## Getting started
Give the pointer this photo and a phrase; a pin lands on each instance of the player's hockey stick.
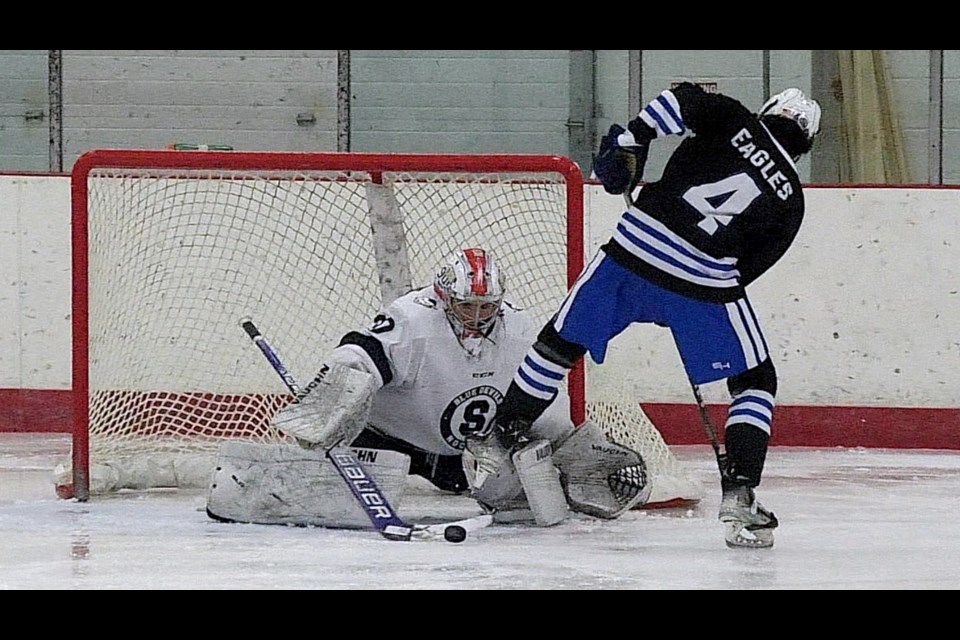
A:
(364, 488)
(718, 451)
(720, 454)
(451, 531)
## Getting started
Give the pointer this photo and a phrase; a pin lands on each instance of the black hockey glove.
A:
(512, 434)
(620, 168)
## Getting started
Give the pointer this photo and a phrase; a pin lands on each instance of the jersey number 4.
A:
(719, 201)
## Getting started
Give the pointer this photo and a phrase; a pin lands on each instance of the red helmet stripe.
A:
(478, 265)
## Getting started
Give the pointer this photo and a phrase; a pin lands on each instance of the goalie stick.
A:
(363, 487)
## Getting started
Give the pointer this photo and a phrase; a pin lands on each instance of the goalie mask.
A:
(471, 289)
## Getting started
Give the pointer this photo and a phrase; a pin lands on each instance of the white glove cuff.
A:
(626, 139)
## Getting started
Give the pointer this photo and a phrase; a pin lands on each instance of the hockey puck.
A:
(454, 533)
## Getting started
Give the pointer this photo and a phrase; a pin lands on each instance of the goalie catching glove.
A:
(589, 473)
(620, 162)
(601, 478)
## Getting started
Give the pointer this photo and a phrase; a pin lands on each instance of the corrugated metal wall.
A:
(249, 100)
(460, 101)
(401, 100)
(24, 111)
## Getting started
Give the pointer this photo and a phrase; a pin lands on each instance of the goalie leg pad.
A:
(601, 478)
(333, 408)
(286, 484)
(541, 483)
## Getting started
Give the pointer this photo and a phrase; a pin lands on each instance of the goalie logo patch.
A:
(468, 414)
(382, 323)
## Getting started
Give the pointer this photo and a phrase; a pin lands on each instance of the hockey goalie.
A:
(414, 393)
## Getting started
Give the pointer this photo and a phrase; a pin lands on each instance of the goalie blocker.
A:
(332, 408)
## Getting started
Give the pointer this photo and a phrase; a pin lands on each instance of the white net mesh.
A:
(615, 405)
(177, 257)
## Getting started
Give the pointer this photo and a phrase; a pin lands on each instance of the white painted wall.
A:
(35, 283)
(863, 310)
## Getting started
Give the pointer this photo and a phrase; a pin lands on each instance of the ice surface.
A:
(850, 519)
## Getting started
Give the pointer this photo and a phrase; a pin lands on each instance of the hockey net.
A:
(172, 248)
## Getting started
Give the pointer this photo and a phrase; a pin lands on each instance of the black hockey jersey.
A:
(728, 204)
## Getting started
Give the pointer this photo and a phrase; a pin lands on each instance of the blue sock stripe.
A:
(763, 425)
(547, 373)
(757, 394)
(530, 382)
(751, 399)
(538, 394)
(766, 418)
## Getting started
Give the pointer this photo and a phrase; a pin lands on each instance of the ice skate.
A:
(747, 524)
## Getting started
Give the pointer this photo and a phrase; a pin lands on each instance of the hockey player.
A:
(431, 371)
(726, 208)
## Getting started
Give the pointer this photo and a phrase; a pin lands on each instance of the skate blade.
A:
(738, 536)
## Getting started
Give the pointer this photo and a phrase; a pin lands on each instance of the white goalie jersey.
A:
(433, 392)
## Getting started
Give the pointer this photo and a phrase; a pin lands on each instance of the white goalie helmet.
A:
(471, 288)
(793, 104)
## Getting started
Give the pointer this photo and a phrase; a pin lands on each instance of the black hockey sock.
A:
(746, 453)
